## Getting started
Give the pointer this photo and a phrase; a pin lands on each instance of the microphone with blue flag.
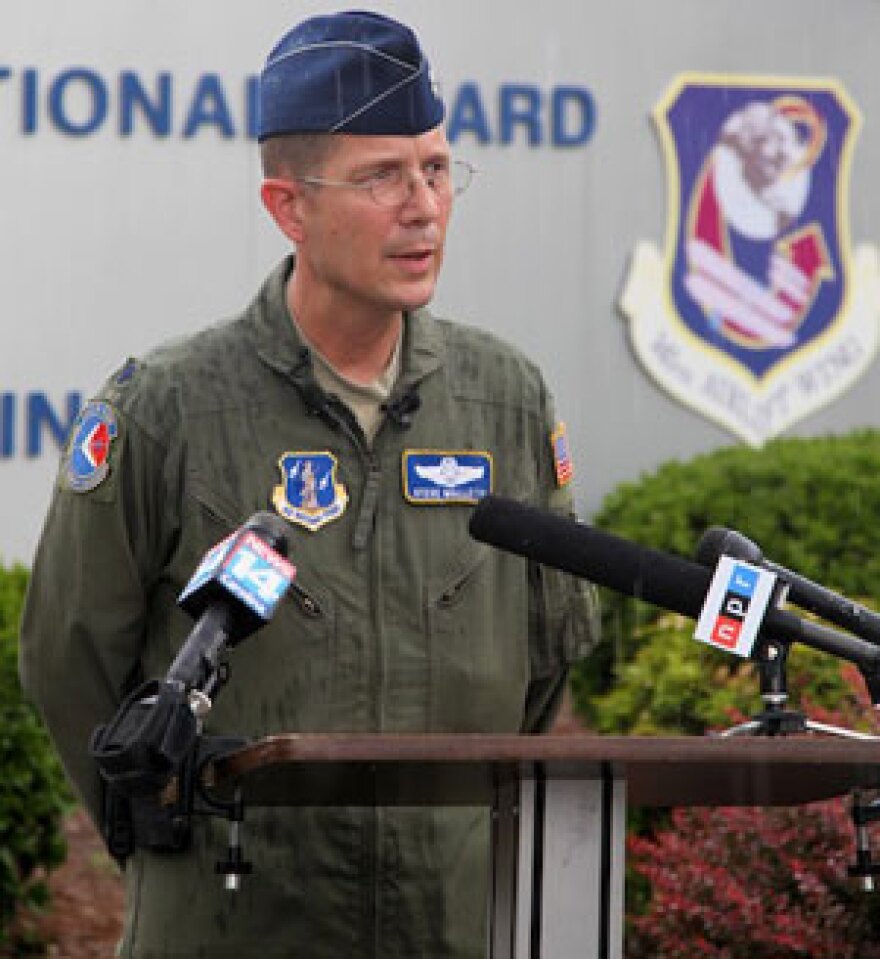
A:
(235, 590)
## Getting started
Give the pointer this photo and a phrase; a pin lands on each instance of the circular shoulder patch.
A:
(87, 461)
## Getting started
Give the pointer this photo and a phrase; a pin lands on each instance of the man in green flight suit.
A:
(372, 427)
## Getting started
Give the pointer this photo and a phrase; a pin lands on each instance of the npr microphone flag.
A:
(735, 606)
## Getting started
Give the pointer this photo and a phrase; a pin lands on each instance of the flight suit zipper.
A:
(365, 533)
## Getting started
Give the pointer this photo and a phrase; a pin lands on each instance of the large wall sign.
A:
(757, 313)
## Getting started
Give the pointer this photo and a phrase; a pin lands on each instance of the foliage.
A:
(750, 883)
(812, 505)
(674, 685)
(737, 883)
(32, 791)
(747, 883)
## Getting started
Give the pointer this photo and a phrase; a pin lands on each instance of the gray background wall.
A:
(110, 244)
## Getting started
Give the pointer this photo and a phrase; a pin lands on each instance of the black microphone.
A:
(402, 410)
(803, 592)
(651, 575)
(662, 579)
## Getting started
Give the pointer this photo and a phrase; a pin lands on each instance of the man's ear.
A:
(283, 201)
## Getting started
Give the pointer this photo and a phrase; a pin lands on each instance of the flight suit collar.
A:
(280, 347)
(278, 343)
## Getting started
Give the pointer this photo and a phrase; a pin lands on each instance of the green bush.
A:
(731, 882)
(32, 791)
(812, 505)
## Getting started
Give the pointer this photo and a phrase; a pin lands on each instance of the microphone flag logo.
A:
(735, 605)
(757, 313)
(244, 566)
(256, 574)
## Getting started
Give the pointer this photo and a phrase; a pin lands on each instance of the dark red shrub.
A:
(757, 883)
(742, 883)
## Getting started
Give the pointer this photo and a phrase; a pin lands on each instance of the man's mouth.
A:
(414, 257)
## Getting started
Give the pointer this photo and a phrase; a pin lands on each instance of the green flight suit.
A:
(397, 621)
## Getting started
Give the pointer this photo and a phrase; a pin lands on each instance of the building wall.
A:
(125, 224)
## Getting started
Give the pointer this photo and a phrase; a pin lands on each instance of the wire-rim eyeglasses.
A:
(394, 186)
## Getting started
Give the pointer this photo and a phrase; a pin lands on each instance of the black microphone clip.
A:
(402, 410)
(318, 403)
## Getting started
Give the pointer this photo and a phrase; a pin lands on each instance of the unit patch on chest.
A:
(443, 477)
(309, 494)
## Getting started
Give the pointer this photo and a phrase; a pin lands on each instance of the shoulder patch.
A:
(89, 450)
(562, 463)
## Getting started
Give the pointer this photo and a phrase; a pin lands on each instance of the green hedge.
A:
(812, 505)
(32, 791)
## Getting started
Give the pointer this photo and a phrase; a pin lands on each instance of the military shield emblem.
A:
(757, 313)
(309, 494)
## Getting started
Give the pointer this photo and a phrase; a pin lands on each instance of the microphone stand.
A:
(775, 720)
(771, 656)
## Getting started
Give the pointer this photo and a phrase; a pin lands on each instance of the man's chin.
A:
(416, 297)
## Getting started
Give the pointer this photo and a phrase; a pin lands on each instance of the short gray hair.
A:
(295, 154)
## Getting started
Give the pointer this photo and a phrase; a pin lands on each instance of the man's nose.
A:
(423, 199)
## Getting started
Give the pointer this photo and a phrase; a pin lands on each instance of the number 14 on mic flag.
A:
(735, 605)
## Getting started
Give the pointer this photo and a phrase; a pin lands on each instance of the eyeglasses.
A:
(394, 186)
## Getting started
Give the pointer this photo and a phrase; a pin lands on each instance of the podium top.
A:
(432, 769)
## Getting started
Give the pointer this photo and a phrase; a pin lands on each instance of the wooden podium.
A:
(558, 806)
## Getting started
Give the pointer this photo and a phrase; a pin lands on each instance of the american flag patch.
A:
(561, 455)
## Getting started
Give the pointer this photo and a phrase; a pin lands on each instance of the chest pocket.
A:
(477, 616)
(281, 677)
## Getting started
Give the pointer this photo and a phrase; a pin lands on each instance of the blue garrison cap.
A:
(351, 72)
